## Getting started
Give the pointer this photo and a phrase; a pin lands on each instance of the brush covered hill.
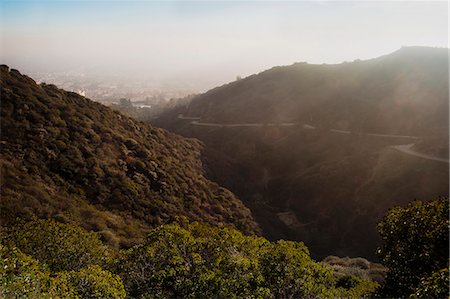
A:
(66, 157)
(327, 186)
(405, 92)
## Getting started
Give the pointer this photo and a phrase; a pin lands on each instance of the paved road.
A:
(393, 136)
(196, 122)
(339, 131)
(181, 116)
(407, 149)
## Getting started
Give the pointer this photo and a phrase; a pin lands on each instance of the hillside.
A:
(311, 148)
(405, 92)
(74, 160)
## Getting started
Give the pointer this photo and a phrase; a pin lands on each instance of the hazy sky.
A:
(209, 42)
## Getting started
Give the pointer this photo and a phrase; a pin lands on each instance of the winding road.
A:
(404, 148)
(407, 149)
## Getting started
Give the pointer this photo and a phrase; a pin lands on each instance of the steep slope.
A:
(66, 157)
(329, 172)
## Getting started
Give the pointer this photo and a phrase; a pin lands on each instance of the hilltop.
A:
(66, 157)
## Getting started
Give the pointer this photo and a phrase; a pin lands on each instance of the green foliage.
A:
(94, 282)
(434, 286)
(287, 266)
(60, 246)
(45, 259)
(21, 276)
(190, 261)
(200, 261)
(415, 248)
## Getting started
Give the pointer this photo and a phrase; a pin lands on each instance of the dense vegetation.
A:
(415, 248)
(189, 261)
(46, 259)
(324, 188)
(102, 181)
(66, 157)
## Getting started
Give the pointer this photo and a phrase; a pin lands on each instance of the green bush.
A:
(62, 247)
(94, 282)
(414, 246)
(21, 276)
(200, 261)
(433, 286)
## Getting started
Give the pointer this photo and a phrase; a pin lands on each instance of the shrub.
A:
(21, 276)
(94, 282)
(414, 245)
(200, 261)
(62, 247)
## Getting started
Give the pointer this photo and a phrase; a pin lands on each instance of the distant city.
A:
(110, 90)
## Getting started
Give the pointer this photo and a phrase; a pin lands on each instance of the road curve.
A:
(407, 149)
(196, 122)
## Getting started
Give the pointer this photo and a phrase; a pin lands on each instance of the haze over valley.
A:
(190, 149)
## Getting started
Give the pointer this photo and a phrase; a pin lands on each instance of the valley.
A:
(320, 152)
(224, 149)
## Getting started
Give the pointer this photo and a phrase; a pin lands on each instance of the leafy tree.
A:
(45, 259)
(290, 272)
(62, 247)
(200, 261)
(94, 282)
(175, 263)
(434, 286)
(21, 276)
(415, 248)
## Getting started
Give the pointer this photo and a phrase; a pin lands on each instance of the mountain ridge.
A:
(319, 94)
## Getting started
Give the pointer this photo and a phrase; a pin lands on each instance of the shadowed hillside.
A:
(310, 148)
(405, 92)
(66, 157)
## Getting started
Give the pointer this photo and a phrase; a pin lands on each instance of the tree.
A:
(94, 282)
(46, 259)
(415, 247)
(200, 261)
(289, 272)
(21, 276)
(62, 247)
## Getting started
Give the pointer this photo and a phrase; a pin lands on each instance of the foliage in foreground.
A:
(22, 276)
(189, 261)
(60, 246)
(200, 261)
(45, 259)
(415, 249)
